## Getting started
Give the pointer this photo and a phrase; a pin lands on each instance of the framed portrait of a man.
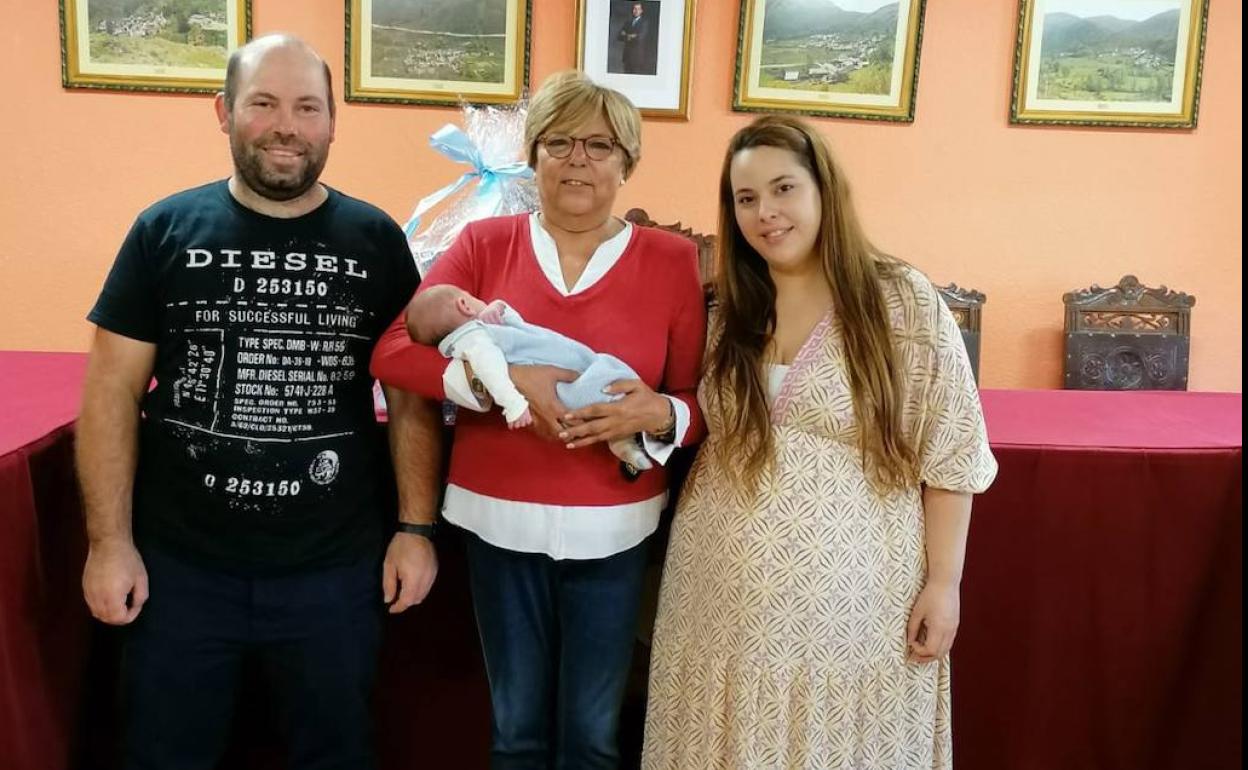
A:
(437, 51)
(150, 45)
(1109, 62)
(642, 48)
(843, 58)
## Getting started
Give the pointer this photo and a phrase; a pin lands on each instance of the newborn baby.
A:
(489, 337)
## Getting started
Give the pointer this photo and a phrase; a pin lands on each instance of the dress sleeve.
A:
(953, 447)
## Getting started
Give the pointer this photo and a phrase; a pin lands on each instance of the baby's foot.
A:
(523, 421)
(630, 452)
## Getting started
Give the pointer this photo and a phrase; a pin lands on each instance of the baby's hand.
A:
(523, 421)
(493, 312)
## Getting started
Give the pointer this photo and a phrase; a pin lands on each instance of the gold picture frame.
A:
(852, 59)
(440, 52)
(160, 48)
(642, 48)
(1128, 63)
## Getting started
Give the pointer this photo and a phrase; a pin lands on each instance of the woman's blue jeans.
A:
(558, 639)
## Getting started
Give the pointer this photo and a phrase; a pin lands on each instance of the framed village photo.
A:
(437, 51)
(150, 45)
(845, 58)
(641, 48)
(1109, 62)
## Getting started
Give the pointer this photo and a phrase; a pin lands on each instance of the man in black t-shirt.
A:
(250, 486)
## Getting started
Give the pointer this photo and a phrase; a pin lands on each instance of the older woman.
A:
(555, 529)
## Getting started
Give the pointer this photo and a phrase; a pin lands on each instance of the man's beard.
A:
(250, 166)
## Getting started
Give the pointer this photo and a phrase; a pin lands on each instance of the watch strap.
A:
(425, 530)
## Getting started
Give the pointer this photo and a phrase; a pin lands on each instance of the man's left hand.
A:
(409, 570)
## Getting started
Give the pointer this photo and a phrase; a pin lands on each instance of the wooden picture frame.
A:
(1130, 63)
(154, 47)
(641, 48)
(851, 59)
(441, 52)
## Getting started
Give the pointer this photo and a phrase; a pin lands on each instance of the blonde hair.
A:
(568, 99)
(854, 270)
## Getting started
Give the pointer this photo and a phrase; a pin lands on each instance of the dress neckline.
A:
(805, 355)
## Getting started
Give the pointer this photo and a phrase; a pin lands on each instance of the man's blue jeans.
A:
(313, 635)
(558, 639)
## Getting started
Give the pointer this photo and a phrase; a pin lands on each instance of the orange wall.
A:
(1022, 214)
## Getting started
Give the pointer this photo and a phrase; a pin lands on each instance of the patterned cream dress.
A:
(781, 634)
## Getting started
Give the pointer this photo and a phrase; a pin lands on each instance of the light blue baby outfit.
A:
(524, 343)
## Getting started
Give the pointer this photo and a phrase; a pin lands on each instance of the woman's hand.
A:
(641, 410)
(537, 385)
(933, 622)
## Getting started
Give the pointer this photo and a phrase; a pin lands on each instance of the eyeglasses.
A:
(597, 147)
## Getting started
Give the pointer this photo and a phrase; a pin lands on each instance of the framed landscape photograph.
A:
(642, 48)
(437, 51)
(1109, 62)
(150, 45)
(844, 58)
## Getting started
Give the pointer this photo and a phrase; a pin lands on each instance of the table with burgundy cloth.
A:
(1101, 600)
(44, 627)
(1101, 604)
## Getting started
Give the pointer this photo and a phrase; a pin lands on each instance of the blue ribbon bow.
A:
(452, 142)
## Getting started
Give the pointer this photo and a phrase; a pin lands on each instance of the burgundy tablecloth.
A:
(1113, 420)
(1101, 624)
(58, 669)
(43, 624)
(1101, 604)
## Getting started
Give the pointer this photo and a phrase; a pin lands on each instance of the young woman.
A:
(810, 595)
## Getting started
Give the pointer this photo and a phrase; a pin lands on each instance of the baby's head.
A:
(440, 310)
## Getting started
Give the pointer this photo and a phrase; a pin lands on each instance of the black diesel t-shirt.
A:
(258, 446)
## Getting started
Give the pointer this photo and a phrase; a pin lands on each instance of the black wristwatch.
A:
(424, 530)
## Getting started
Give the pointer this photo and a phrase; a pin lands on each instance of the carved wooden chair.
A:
(704, 243)
(967, 306)
(1127, 337)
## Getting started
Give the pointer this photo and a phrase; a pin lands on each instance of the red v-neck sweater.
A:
(647, 310)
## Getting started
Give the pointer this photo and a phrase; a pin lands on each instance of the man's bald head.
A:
(245, 58)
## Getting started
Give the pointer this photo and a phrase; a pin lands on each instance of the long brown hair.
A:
(854, 270)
